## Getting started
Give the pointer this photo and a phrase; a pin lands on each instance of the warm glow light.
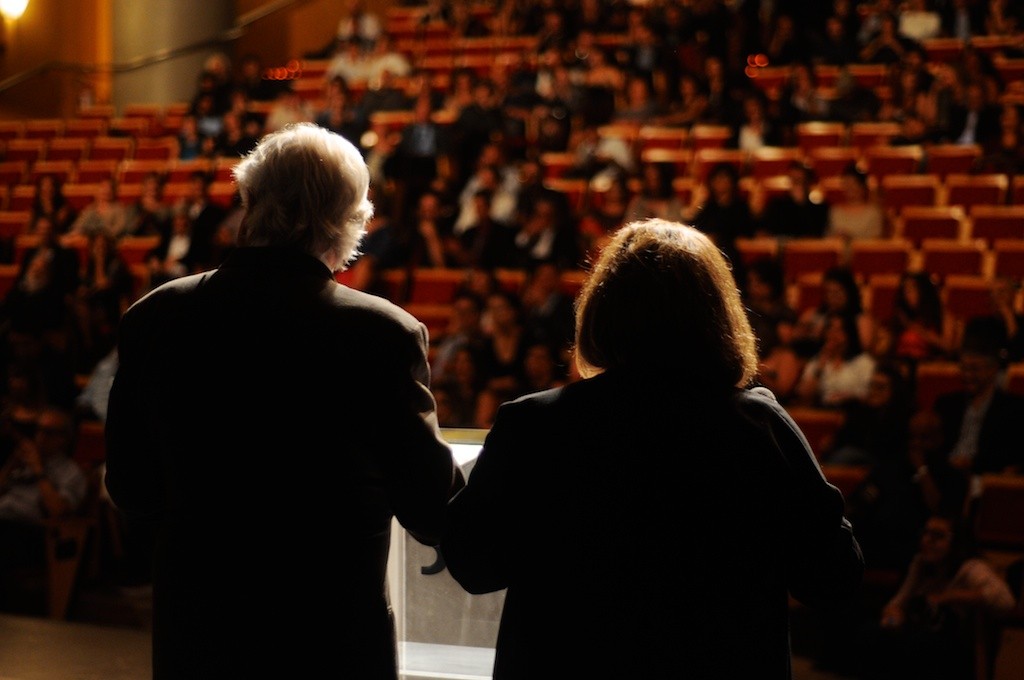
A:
(13, 9)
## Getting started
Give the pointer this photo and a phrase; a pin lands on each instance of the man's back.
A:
(269, 421)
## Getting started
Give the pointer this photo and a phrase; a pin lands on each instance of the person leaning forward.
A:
(270, 423)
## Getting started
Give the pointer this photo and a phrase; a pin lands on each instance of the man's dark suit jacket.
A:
(999, 439)
(648, 530)
(271, 422)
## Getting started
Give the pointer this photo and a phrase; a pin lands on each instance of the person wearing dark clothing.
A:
(683, 507)
(796, 213)
(271, 424)
(981, 421)
(48, 276)
(973, 121)
(474, 127)
(725, 215)
(206, 217)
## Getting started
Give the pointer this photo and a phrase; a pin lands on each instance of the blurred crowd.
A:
(463, 182)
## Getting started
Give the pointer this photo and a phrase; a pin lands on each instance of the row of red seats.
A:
(20, 177)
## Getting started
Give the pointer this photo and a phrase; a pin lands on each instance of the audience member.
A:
(177, 254)
(874, 427)
(205, 217)
(1003, 321)
(49, 201)
(928, 629)
(104, 293)
(918, 321)
(464, 384)
(422, 153)
(840, 294)
(859, 215)
(149, 214)
(798, 213)
(104, 213)
(656, 197)
(604, 214)
(252, 79)
(979, 419)
(840, 370)
(192, 144)
(772, 319)
(288, 108)
(38, 482)
(41, 480)
(912, 480)
(48, 275)
(501, 363)
(487, 242)
(545, 236)
(360, 25)
(464, 329)
(548, 312)
(975, 119)
(1004, 151)
(339, 113)
(720, 210)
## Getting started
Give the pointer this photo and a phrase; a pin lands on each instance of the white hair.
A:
(305, 187)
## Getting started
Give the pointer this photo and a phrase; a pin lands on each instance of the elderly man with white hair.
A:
(270, 423)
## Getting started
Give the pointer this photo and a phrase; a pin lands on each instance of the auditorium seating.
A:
(868, 257)
(944, 257)
(67, 148)
(994, 222)
(967, 190)
(1008, 259)
(947, 159)
(810, 255)
(917, 223)
(816, 134)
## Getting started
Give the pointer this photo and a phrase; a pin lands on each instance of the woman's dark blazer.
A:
(648, 531)
(270, 423)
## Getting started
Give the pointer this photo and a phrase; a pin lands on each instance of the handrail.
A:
(228, 35)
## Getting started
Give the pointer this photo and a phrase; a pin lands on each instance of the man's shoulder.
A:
(360, 302)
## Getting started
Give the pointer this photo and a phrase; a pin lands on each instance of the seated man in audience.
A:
(38, 481)
(982, 420)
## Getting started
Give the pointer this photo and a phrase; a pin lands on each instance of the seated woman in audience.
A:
(104, 213)
(840, 294)
(462, 387)
(605, 213)
(874, 427)
(772, 319)
(49, 201)
(174, 257)
(858, 215)
(105, 291)
(505, 348)
(840, 371)
(149, 215)
(917, 325)
(656, 197)
(928, 628)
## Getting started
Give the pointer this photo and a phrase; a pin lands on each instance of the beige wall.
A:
(304, 27)
(76, 32)
(81, 32)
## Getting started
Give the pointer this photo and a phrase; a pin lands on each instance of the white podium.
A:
(443, 631)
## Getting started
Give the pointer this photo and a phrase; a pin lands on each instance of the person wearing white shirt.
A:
(841, 369)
